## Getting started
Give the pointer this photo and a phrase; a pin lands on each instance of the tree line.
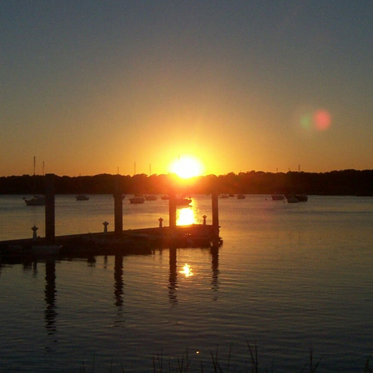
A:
(345, 182)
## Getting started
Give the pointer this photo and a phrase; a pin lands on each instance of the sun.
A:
(186, 167)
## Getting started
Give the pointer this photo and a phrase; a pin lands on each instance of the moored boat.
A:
(277, 197)
(82, 197)
(301, 197)
(151, 198)
(183, 201)
(35, 201)
(292, 199)
(241, 196)
(137, 200)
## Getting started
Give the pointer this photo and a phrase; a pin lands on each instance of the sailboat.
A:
(36, 200)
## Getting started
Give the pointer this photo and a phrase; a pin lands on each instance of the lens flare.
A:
(322, 120)
(312, 119)
(306, 121)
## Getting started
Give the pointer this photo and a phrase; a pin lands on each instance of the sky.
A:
(90, 87)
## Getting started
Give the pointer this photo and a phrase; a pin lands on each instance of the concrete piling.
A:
(118, 206)
(49, 208)
(172, 209)
(215, 213)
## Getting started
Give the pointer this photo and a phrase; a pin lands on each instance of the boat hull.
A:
(35, 201)
(137, 200)
(82, 197)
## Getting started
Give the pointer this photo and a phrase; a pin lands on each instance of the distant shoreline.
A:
(345, 182)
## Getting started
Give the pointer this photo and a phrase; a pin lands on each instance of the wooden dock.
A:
(132, 241)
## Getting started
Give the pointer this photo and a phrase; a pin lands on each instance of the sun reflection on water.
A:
(187, 271)
(187, 215)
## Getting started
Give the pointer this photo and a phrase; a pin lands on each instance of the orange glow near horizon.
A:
(187, 166)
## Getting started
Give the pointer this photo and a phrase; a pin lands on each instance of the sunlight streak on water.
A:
(185, 216)
(187, 271)
(189, 215)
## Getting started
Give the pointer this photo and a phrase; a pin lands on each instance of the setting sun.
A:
(186, 167)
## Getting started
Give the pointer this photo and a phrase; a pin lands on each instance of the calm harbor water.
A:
(288, 277)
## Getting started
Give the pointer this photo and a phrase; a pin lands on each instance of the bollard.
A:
(34, 234)
(160, 222)
(204, 219)
(105, 223)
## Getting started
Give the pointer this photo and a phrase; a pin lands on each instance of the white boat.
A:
(137, 200)
(183, 201)
(82, 197)
(35, 201)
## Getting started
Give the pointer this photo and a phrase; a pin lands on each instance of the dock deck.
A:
(133, 241)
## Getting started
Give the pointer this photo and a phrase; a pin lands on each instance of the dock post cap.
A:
(160, 222)
(204, 219)
(105, 223)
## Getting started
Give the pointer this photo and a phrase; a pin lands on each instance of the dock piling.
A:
(172, 209)
(49, 208)
(215, 213)
(118, 206)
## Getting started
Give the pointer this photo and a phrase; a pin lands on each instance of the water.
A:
(288, 278)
